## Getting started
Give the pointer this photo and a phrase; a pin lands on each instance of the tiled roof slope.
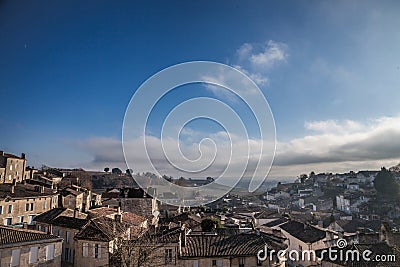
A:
(23, 191)
(9, 236)
(69, 222)
(303, 232)
(101, 229)
(213, 245)
(50, 215)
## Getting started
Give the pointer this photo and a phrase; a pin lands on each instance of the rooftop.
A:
(101, 229)
(24, 191)
(304, 232)
(214, 245)
(10, 236)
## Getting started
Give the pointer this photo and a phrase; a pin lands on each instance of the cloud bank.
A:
(330, 145)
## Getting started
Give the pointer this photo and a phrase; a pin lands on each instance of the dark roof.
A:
(102, 229)
(353, 226)
(139, 206)
(132, 192)
(161, 235)
(183, 218)
(276, 222)
(267, 214)
(70, 191)
(23, 191)
(214, 245)
(7, 155)
(50, 215)
(68, 222)
(303, 232)
(9, 236)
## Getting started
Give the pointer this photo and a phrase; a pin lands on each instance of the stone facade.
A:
(21, 247)
(25, 251)
(20, 203)
(12, 168)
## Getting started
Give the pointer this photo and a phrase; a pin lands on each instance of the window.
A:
(85, 249)
(33, 254)
(1, 209)
(195, 263)
(7, 221)
(241, 262)
(10, 208)
(26, 206)
(97, 251)
(21, 219)
(30, 219)
(44, 204)
(217, 263)
(32, 206)
(50, 252)
(67, 233)
(39, 227)
(168, 256)
(66, 255)
(15, 257)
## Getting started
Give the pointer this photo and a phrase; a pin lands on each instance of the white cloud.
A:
(332, 146)
(272, 53)
(256, 61)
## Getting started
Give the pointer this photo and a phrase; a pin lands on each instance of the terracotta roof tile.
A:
(10, 236)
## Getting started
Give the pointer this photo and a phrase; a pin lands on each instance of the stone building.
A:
(20, 203)
(65, 223)
(134, 200)
(12, 168)
(96, 241)
(22, 247)
(79, 198)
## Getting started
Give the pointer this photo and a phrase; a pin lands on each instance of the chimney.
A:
(42, 189)
(118, 216)
(22, 155)
(12, 189)
(182, 237)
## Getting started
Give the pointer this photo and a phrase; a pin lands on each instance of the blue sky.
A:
(330, 71)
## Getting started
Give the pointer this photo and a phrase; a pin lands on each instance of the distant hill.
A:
(395, 168)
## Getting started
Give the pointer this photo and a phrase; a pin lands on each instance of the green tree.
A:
(106, 169)
(207, 225)
(386, 185)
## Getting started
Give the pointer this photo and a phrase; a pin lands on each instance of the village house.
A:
(76, 197)
(134, 200)
(23, 248)
(96, 241)
(12, 167)
(137, 224)
(349, 203)
(301, 237)
(64, 223)
(20, 203)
